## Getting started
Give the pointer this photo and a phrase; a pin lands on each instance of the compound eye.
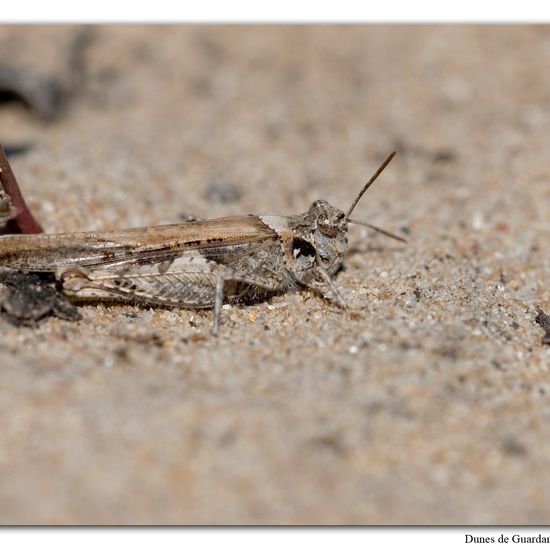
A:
(327, 227)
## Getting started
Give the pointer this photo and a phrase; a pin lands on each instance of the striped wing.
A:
(45, 252)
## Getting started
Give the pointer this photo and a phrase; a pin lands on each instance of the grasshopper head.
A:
(329, 230)
(328, 220)
(320, 237)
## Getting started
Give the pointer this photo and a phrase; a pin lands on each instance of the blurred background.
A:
(425, 404)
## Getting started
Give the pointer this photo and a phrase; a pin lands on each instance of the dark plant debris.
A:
(49, 96)
(544, 321)
(43, 94)
(29, 298)
(18, 149)
(15, 216)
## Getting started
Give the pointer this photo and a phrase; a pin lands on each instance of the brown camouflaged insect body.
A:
(197, 264)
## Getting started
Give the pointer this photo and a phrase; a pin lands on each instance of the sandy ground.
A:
(426, 403)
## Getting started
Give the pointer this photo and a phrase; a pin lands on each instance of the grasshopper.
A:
(196, 264)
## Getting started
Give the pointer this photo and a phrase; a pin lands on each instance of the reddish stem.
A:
(23, 221)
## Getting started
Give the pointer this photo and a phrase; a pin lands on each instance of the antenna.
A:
(362, 192)
(369, 183)
(379, 230)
